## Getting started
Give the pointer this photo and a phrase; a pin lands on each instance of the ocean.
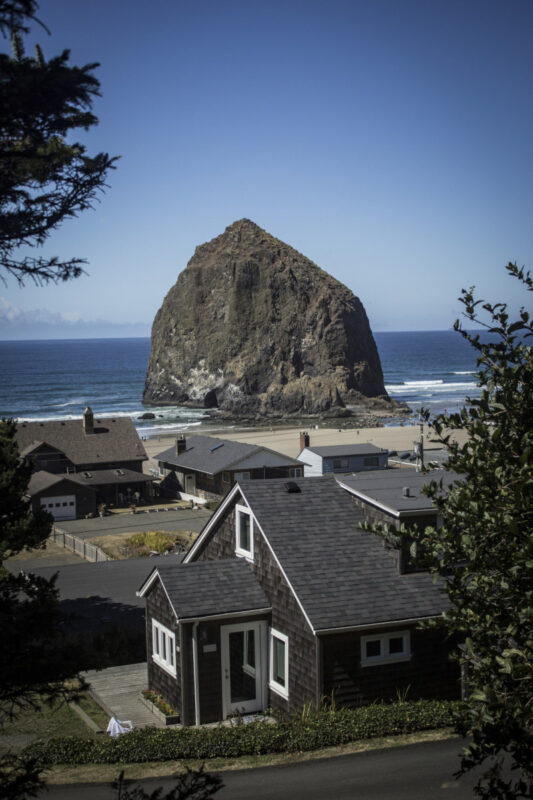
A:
(56, 379)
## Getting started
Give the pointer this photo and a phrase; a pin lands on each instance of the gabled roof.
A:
(212, 455)
(209, 588)
(42, 480)
(339, 450)
(342, 576)
(385, 488)
(114, 439)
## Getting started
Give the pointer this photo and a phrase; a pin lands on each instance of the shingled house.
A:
(79, 464)
(283, 599)
(205, 467)
(339, 458)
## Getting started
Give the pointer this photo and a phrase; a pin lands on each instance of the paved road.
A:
(416, 772)
(176, 520)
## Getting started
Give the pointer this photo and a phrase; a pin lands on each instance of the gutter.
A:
(391, 623)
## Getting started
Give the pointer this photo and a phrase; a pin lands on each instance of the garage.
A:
(62, 507)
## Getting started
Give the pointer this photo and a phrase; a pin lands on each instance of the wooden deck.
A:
(117, 690)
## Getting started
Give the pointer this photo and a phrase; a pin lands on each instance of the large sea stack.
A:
(254, 328)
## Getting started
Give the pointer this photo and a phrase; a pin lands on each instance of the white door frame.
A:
(260, 628)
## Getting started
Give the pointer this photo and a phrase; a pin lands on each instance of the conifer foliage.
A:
(45, 177)
(484, 549)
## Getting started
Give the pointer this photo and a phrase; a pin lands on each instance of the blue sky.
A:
(387, 140)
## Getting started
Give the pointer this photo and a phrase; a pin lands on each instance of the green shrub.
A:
(311, 731)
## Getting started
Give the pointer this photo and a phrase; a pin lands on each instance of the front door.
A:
(243, 651)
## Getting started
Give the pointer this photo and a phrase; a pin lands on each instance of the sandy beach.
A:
(287, 440)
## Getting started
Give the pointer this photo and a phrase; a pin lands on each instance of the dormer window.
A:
(244, 533)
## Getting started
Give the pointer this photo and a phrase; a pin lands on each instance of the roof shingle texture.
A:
(211, 455)
(114, 440)
(342, 575)
(207, 588)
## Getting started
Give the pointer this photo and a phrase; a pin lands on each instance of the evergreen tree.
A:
(484, 549)
(44, 179)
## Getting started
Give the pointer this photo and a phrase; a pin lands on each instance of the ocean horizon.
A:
(56, 378)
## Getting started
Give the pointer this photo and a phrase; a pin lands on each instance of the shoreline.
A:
(286, 439)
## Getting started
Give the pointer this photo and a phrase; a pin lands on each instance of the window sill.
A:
(245, 554)
(164, 666)
(279, 690)
(377, 662)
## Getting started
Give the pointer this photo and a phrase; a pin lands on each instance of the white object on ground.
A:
(118, 726)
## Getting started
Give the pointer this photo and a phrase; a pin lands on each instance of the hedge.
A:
(307, 732)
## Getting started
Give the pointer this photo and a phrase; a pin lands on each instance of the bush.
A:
(313, 730)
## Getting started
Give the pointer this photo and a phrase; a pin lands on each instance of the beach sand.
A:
(287, 440)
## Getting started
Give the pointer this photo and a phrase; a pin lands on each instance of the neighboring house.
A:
(284, 600)
(205, 468)
(79, 464)
(340, 458)
(394, 497)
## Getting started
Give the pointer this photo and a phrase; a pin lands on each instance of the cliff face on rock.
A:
(255, 328)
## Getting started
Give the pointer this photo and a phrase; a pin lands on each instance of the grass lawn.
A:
(58, 719)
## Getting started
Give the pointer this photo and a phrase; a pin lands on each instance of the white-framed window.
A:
(164, 647)
(279, 663)
(295, 472)
(385, 648)
(242, 476)
(244, 532)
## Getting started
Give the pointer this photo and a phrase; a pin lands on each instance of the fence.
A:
(84, 549)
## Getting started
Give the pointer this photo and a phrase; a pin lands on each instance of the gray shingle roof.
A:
(208, 588)
(386, 487)
(42, 480)
(212, 455)
(328, 451)
(342, 575)
(114, 439)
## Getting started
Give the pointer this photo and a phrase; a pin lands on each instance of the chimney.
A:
(406, 492)
(88, 421)
(304, 440)
(181, 444)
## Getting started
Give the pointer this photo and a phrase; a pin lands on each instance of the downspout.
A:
(195, 673)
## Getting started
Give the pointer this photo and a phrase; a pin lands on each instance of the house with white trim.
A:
(284, 600)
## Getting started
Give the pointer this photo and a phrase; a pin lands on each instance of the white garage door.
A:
(63, 507)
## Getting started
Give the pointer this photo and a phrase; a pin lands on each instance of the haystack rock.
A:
(254, 328)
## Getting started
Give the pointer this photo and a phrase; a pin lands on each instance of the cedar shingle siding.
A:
(158, 608)
(429, 673)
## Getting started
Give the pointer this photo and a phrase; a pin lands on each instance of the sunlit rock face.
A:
(254, 328)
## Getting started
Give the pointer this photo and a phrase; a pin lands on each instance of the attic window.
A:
(292, 488)
(244, 533)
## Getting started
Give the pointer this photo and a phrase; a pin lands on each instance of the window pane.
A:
(279, 661)
(156, 641)
(250, 648)
(396, 645)
(373, 648)
(163, 646)
(244, 531)
(171, 651)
